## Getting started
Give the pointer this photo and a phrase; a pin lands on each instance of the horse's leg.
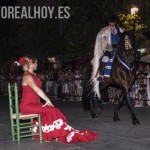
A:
(93, 104)
(130, 107)
(117, 108)
(99, 106)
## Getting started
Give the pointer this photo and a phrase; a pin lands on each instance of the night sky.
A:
(7, 2)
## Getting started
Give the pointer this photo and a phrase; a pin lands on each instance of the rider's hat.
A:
(112, 18)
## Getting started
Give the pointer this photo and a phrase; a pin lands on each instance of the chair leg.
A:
(18, 131)
(12, 130)
(31, 121)
(40, 128)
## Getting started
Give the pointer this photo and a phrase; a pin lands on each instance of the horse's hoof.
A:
(134, 122)
(94, 117)
(115, 118)
(138, 122)
(99, 111)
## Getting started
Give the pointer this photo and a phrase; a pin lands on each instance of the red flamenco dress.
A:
(54, 123)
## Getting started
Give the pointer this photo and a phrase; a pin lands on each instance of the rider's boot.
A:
(101, 70)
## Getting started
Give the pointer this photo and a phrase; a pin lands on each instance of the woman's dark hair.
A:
(32, 58)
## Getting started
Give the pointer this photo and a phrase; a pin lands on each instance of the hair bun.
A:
(23, 61)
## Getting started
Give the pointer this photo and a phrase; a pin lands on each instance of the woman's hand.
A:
(48, 103)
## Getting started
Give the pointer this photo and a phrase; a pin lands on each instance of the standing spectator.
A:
(79, 88)
(65, 88)
(70, 79)
(148, 83)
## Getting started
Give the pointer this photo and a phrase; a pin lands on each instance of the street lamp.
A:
(134, 10)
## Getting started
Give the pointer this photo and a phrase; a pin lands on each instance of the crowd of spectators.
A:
(64, 84)
(67, 84)
(141, 89)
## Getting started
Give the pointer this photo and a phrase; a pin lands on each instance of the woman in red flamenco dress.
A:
(54, 123)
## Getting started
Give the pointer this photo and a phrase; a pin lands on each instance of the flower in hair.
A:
(23, 61)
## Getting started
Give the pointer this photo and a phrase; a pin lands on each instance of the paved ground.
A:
(112, 136)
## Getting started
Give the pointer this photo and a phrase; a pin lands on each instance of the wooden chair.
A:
(21, 125)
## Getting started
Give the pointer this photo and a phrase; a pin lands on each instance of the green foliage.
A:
(139, 23)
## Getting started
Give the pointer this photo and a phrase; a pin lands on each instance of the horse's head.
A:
(126, 50)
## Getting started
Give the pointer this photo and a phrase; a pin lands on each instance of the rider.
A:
(106, 41)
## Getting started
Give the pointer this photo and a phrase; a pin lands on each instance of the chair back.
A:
(14, 110)
(13, 100)
(21, 129)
